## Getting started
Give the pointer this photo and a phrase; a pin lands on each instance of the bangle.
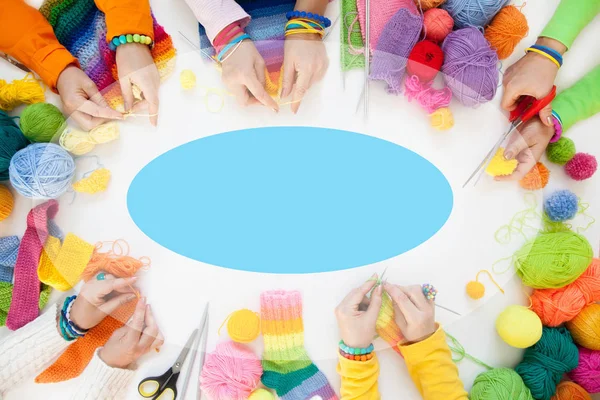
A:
(302, 25)
(550, 51)
(129, 38)
(315, 17)
(237, 41)
(549, 56)
(226, 36)
(557, 127)
(68, 329)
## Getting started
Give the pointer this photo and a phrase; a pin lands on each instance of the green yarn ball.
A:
(11, 141)
(561, 152)
(500, 384)
(553, 260)
(41, 122)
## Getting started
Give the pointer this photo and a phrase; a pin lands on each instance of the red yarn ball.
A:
(582, 166)
(425, 60)
(437, 24)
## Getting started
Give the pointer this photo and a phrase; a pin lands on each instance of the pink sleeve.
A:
(215, 15)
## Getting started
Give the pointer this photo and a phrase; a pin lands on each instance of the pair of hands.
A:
(357, 313)
(97, 299)
(84, 103)
(305, 63)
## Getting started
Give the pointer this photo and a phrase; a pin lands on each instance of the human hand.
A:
(136, 338)
(415, 314)
(81, 99)
(97, 299)
(357, 315)
(136, 67)
(305, 63)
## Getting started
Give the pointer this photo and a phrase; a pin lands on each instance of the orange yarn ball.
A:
(428, 4)
(537, 178)
(506, 30)
(437, 24)
(7, 202)
(585, 327)
(570, 391)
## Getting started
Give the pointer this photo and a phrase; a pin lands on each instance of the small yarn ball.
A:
(105, 133)
(187, 79)
(476, 13)
(76, 142)
(519, 327)
(20, 91)
(587, 373)
(428, 4)
(475, 290)
(243, 326)
(470, 67)
(425, 60)
(42, 171)
(499, 384)
(561, 152)
(261, 394)
(7, 202)
(506, 30)
(561, 206)
(537, 178)
(231, 372)
(545, 363)
(442, 119)
(570, 391)
(11, 141)
(41, 121)
(437, 24)
(585, 327)
(581, 167)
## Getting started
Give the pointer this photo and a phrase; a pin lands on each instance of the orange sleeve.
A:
(127, 17)
(27, 36)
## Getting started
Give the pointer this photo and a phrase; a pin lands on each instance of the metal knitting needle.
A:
(331, 27)
(195, 46)
(447, 309)
(367, 54)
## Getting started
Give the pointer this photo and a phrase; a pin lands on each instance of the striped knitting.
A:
(9, 248)
(81, 28)
(6, 290)
(286, 365)
(387, 329)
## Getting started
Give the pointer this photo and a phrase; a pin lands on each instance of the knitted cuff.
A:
(99, 372)
(282, 327)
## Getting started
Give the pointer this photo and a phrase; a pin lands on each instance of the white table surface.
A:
(178, 287)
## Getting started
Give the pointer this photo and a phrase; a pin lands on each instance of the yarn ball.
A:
(581, 167)
(562, 151)
(553, 260)
(442, 119)
(499, 384)
(41, 121)
(500, 166)
(570, 391)
(587, 373)
(547, 361)
(261, 394)
(556, 306)
(425, 60)
(187, 79)
(506, 30)
(7, 202)
(585, 327)
(536, 179)
(231, 372)
(475, 290)
(11, 141)
(75, 141)
(105, 133)
(476, 13)
(561, 206)
(20, 91)
(428, 4)
(470, 66)
(519, 327)
(42, 171)
(243, 326)
(437, 24)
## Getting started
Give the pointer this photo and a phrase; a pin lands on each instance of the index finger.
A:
(415, 294)
(300, 88)
(151, 95)
(136, 325)
(405, 305)
(95, 110)
(357, 295)
(259, 92)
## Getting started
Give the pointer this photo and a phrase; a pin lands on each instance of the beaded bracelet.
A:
(68, 329)
(543, 51)
(129, 38)
(326, 22)
(558, 128)
(235, 42)
(356, 354)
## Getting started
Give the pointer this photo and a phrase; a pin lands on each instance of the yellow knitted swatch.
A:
(501, 166)
(386, 327)
(96, 182)
(61, 267)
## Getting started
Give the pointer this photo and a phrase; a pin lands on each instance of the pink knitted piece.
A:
(381, 12)
(26, 291)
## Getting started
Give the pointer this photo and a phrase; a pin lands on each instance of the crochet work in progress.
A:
(61, 266)
(286, 365)
(351, 40)
(81, 28)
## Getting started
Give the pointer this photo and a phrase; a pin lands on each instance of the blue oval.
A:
(290, 200)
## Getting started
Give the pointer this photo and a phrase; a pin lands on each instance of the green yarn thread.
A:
(349, 61)
(500, 384)
(553, 260)
(40, 122)
(11, 141)
(457, 348)
(561, 152)
(6, 290)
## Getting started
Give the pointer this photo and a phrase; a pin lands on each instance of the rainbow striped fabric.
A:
(387, 329)
(286, 365)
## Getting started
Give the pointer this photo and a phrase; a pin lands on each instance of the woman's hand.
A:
(357, 315)
(415, 314)
(136, 67)
(136, 338)
(81, 99)
(97, 299)
(305, 63)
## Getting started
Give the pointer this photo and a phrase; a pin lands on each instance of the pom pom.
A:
(507, 29)
(570, 391)
(243, 326)
(437, 24)
(585, 327)
(11, 141)
(261, 394)
(581, 167)
(442, 119)
(475, 290)
(499, 384)
(561, 152)
(41, 121)
(519, 327)
(187, 79)
(587, 373)
(425, 60)
(561, 206)
(476, 13)
(7, 202)
(500, 166)
(20, 91)
(537, 178)
(95, 183)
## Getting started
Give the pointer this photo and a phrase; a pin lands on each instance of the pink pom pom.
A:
(582, 166)
(231, 372)
(429, 98)
(587, 373)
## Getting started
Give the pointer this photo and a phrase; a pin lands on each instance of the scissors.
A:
(527, 108)
(14, 62)
(164, 387)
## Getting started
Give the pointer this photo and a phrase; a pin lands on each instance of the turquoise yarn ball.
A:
(11, 141)
(41, 122)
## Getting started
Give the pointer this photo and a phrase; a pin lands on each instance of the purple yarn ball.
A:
(470, 67)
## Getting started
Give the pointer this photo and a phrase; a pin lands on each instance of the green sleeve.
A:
(569, 19)
(580, 101)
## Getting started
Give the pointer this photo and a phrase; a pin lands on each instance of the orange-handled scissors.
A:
(527, 108)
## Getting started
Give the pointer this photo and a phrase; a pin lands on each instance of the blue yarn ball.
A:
(477, 13)
(41, 171)
(561, 206)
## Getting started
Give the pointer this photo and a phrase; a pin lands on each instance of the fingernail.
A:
(508, 155)
(549, 121)
(379, 289)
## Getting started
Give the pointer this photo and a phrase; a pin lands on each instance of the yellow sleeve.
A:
(431, 368)
(359, 379)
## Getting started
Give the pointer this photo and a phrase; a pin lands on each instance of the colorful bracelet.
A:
(129, 38)
(356, 354)
(550, 51)
(303, 25)
(68, 329)
(226, 36)
(558, 128)
(235, 42)
(542, 50)
(326, 22)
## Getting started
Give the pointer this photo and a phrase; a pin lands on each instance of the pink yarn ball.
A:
(231, 372)
(437, 24)
(582, 166)
(587, 373)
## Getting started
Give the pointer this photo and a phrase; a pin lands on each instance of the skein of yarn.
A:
(470, 67)
(78, 142)
(429, 99)
(7, 202)
(437, 24)
(499, 384)
(11, 141)
(506, 30)
(427, 5)
(243, 326)
(570, 391)
(40, 122)
(587, 373)
(425, 60)
(20, 91)
(475, 13)
(519, 327)
(585, 327)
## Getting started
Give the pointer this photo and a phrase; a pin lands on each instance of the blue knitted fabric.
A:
(9, 248)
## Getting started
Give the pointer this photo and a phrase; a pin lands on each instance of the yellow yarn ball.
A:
(442, 119)
(585, 327)
(7, 202)
(76, 142)
(105, 133)
(500, 166)
(187, 78)
(261, 394)
(475, 290)
(243, 326)
(519, 327)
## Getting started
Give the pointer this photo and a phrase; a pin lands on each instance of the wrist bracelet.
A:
(68, 329)
(356, 354)
(326, 22)
(302, 26)
(235, 42)
(557, 127)
(550, 51)
(129, 38)
(541, 50)
(226, 36)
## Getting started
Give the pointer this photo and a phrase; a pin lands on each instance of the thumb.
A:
(116, 302)
(375, 304)
(127, 92)
(546, 116)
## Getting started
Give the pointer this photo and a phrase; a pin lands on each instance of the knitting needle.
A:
(367, 54)
(195, 46)
(331, 27)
